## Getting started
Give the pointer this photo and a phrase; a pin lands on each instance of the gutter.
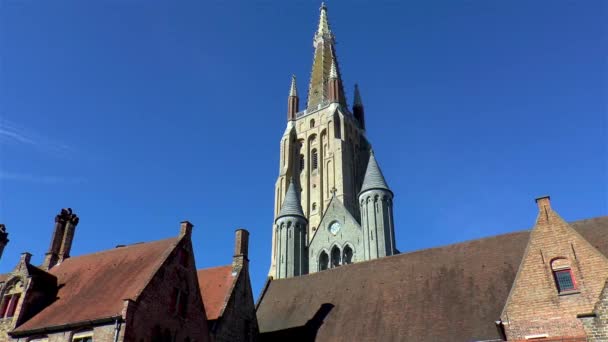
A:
(71, 326)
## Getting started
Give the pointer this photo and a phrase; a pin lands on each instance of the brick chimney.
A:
(68, 236)
(61, 240)
(241, 249)
(3, 239)
(185, 229)
(544, 207)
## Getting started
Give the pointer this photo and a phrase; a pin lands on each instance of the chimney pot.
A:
(185, 228)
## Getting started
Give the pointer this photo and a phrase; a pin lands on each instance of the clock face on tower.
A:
(334, 227)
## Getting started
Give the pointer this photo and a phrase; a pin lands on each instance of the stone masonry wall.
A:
(238, 322)
(597, 326)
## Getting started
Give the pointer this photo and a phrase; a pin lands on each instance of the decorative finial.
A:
(333, 191)
(333, 71)
(293, 90)
(323, 22)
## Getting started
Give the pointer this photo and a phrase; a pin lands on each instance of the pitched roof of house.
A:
(216, 284)
(450, 293)
(95, 286)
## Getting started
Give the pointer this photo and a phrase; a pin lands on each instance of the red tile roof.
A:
(216, 284)
(450, 293)
(94, 286)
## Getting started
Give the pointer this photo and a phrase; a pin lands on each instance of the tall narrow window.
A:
(301, 162)
(312, 123)
(315, 159)
(335, 256)
(347, 255)
(323, 261)
(9, 305)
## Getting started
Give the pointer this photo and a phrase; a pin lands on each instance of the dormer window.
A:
(564, 280)
(562, 273)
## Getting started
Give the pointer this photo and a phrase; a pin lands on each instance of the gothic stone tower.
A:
(324, 153)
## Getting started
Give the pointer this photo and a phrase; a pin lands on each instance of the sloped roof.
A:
(291, 204)
(450, 293)
(373, 176)
(215, 284)
(95, 286)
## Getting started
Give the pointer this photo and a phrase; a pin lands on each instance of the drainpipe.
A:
(116, 329)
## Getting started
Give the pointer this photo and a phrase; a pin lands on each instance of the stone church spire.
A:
(324, 57)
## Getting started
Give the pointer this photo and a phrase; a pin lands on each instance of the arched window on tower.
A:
(347, 255)
(301, 162)
(312, 123)
(314, 159)
(323, 261)
(335, 256)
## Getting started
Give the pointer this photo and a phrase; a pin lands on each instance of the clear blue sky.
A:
(140, 114)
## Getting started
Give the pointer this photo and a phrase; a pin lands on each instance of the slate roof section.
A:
(216, 284)
(95, 286)
(450, 293)
(291, 204)
(373, 176)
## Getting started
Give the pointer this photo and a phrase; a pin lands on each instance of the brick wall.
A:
(153, 318)
(596, 325)
(103, 333)
(238, 322)
(535, 305)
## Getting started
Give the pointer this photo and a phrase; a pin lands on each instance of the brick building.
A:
(146, 291)
(227, 296)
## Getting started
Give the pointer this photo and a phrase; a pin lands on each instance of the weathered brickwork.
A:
(596, 323)
(535, 306)
(158, 315)
(238, 322)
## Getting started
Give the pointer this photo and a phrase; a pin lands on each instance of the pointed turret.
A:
(358, 110)
(334, 85)
(376, 207)
(293, 102)
(290, 228)
(325, 60)
(291, 205)
(373, 176)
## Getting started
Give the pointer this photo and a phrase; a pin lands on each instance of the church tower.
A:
(323, 150)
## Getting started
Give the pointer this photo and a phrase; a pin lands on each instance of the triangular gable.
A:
(553, 246)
